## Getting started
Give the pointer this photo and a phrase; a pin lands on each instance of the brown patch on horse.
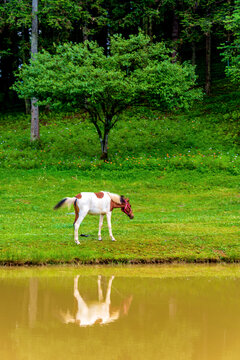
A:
(76, 208)
(99, 195)
(114, 205)
(78, 196)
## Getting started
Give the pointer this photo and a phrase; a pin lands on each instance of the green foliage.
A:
(16, 13)
(59, 14)
(137, 72)
(81, 75)
(69, 20)
(231, 52)
(56, 14)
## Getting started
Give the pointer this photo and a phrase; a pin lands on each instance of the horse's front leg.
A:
(77, 223)
(82, 306)
(100, 227)
(109, 214)
(100, 293)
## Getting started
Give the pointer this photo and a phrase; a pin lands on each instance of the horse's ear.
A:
(122, 199)
(127, 199)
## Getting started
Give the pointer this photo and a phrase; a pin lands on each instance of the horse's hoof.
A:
(77, 242)
(100, 239)
(114, 240)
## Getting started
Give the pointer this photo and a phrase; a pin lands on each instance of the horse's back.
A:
(95, 203)
(93, 195)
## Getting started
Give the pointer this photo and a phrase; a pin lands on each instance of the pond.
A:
(123, 312)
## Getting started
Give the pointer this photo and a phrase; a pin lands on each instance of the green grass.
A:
(207, 138)
(179, 216)
(181, 172)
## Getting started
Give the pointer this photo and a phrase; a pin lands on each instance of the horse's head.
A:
(126, 207)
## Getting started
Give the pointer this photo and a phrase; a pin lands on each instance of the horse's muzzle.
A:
(131, 217)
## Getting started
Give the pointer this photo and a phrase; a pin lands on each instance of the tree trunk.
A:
(25, 37)
(34, 50)
(85, 32)
(103, 138)
(150, 27)
(104, 146)
(145, 24)
(27, 106)
(208, 63)
(108, 41)
(175, 34)
(34, 120)
(193, 53)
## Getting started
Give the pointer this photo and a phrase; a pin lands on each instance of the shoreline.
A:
(96, 262)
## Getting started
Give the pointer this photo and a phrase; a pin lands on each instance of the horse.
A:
(97, 312)
(101, 203)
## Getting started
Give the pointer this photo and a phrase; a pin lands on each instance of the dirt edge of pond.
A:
(77, 261)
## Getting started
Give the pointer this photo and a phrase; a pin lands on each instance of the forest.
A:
(202, 32)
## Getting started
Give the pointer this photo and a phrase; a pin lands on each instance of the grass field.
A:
(181, 171)
(181, 216)
(207, 138)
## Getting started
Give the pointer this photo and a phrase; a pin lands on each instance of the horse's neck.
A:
(115, 198)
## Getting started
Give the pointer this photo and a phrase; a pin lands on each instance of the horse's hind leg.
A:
(76, 208)
(109, 214)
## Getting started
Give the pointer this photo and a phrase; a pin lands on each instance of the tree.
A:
(204, 19)
(231, 52)
(58, 21)
(12, 22)
(190, 31)
(137, 72)
(34, 50)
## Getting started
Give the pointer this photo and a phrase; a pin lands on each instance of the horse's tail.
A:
(65, 202)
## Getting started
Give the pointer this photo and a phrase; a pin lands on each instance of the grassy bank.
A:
(181, 172)
(163, 271)
(179, 216)
(207, 138)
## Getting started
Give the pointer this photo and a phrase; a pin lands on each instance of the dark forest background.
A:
(195, 31)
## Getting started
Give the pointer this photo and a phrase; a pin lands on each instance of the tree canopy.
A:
(136, 72)
(231, 53)
(193, 30)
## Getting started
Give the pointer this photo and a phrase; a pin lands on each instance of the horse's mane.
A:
(118, 199)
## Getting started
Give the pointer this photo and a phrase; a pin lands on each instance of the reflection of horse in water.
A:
(98, 312)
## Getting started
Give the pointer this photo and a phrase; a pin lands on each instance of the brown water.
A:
(65, 314)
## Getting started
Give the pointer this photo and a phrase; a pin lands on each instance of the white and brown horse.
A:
(101, 203)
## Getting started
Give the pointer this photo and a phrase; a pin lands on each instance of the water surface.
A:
(180, 312)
